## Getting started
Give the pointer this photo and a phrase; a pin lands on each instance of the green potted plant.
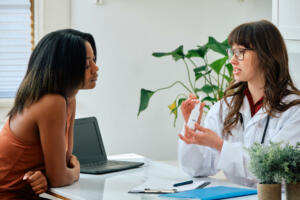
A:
(215, 75)
(266, 164)
(291, 172)
(273, 164)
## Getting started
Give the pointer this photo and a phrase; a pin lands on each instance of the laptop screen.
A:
(88, 144)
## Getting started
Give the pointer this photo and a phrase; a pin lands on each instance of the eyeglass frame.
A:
(231, 52)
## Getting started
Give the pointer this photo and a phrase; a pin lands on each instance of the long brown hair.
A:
(56, 66)
(272, 55)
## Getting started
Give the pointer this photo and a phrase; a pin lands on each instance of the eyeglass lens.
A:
(239, 53)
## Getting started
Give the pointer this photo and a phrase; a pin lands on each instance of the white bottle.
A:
(194, 116)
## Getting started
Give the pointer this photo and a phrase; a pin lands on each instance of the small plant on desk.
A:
(273, 164)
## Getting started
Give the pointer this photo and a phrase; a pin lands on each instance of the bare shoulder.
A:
(50, 105)
(53, 100)
(48, 111)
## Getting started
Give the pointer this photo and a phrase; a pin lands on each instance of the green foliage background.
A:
(216, 74)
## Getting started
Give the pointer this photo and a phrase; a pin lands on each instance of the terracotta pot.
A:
(269, 191)
(292, 191)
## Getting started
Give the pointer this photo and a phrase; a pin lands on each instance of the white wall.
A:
(126, 33)
(286, 16)
(49, 15)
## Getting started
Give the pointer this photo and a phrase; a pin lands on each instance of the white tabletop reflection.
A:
(115, 186)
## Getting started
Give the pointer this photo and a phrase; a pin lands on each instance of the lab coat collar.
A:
(245, 109)
(246, 113)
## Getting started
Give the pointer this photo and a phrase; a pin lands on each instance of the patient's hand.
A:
(75, 165)
(37, 181)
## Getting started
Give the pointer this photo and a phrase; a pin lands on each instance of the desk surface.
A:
(116, 185)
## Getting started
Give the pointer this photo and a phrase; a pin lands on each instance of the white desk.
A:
(115, 186)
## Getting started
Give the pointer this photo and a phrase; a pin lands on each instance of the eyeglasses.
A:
(238, 53)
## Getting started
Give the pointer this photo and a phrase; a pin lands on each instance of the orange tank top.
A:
(17, 158)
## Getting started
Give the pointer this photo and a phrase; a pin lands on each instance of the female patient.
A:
(260, 105)
(38, 136)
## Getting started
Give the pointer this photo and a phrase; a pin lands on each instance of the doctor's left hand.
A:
(202, 136)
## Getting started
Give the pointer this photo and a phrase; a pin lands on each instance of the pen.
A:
(154, 191)
(203, 185)
(183, 183)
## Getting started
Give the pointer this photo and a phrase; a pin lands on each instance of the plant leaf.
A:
(199, 75)
(216, 46)
(180, 101)
(176, 54)
(207, 88)
(227, 78)
(144, 99)
(200, 52)
(173, 108)
(218, 64)
(229, 68)
(225, 44)
(274, 163)
(210, 99)
(200, 69)
(221, 94)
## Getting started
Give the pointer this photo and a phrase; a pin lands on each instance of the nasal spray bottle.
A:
(194, 116)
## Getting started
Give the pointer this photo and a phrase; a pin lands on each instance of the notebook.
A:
(89, 149)
(213, 193)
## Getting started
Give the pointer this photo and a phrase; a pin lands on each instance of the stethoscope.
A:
(265, 130)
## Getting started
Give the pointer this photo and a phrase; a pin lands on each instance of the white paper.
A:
(160, 184)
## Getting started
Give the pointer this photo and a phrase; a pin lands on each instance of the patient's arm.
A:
(52, 126)
(71, 107)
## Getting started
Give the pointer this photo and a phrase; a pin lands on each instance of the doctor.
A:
(261, 105)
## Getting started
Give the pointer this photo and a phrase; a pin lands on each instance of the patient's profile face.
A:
(91, 68)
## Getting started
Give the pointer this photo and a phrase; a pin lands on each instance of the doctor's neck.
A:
(256, 89)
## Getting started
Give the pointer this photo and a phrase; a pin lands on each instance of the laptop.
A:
(89, 149)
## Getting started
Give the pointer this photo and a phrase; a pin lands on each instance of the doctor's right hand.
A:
(202, 136)
(188, 105)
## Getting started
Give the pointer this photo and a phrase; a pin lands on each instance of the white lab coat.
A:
(199, 160)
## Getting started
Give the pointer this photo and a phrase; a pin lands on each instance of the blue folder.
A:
(211, 193)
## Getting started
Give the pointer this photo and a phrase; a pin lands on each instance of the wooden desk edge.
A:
(57, 195)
